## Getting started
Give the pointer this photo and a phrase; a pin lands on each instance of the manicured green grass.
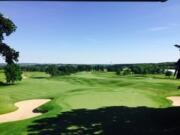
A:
(2, 77)
(83, 90)
(6, 104)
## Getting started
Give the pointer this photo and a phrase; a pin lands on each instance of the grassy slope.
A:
(83, 90)
(6, 103)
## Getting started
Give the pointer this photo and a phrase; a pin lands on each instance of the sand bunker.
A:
(24, 111)
(175, 100)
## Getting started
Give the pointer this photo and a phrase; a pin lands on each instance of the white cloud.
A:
(158, 28)
(170, 26)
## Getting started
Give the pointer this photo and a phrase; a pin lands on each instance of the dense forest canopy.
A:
(143, 68)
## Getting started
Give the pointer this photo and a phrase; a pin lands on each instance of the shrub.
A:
(118, 72)
(168, 73)
(126, 71)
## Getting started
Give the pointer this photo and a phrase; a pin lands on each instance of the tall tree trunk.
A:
(177, 71)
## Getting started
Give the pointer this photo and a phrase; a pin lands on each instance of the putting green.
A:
(93, 100)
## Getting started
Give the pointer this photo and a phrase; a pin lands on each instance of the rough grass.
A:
(84, 91)
(6, 104)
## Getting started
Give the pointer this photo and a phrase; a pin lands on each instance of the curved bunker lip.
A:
(175, 100)
(25, 110)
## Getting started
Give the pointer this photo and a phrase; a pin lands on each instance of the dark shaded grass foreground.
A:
(4, 84)
(111, 121)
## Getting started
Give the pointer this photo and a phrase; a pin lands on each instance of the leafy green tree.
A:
(52, 70)
(168, 73)
(8, 53)
(126, 71)
(6, 27)
(12, 70)
(13, 73)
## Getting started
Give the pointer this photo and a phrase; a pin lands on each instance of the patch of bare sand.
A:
(175, 100)
(24, 111)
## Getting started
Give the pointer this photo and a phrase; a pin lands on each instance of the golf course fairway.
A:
(79, 93)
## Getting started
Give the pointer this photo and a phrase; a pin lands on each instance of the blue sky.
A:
(59, 32)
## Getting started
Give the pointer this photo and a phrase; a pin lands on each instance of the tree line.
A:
(66, 69)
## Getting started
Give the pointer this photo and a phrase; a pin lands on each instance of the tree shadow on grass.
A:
(39, 77)
(111, 121)
(4, 84)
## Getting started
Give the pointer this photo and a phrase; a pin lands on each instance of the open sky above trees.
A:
(103, 33)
